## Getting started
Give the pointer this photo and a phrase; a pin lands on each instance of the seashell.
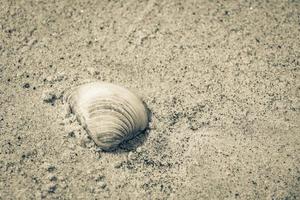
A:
(109, 113)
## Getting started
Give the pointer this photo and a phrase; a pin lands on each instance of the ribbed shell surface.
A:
(109, 113)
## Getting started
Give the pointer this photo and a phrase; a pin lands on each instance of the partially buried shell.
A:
(111, 114)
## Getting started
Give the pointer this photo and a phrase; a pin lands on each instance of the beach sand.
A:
(221, 78)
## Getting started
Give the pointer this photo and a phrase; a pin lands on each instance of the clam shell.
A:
(109, 113)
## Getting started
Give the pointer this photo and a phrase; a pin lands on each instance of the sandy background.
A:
(221, 80)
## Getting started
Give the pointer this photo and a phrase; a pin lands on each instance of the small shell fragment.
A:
(111, 114)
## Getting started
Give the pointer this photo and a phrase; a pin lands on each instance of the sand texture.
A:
(221, 78)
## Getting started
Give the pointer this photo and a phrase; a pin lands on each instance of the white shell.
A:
(111, 114)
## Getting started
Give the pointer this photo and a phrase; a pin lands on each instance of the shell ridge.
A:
(119, 108)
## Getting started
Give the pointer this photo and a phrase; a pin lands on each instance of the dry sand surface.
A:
(221, 79)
